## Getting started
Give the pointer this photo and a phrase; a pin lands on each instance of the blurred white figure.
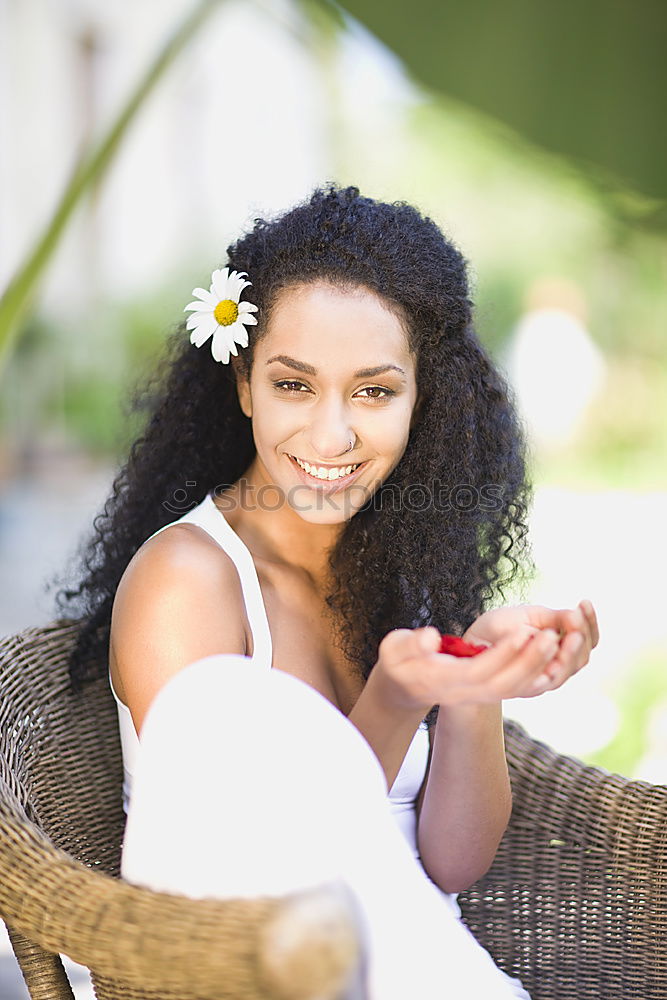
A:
(553, 364)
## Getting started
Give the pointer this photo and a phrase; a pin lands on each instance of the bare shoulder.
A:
(179, 599)
(172, 562)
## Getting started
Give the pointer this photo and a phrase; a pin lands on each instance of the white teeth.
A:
(318, 472)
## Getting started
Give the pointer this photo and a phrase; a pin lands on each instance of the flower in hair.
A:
(220, 313)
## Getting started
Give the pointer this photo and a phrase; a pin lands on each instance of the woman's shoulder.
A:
(178, 570)
(183, 547)
(179, 599)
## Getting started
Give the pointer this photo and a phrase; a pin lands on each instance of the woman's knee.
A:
(228, 699)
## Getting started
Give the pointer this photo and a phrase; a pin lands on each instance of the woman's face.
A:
(333, 369)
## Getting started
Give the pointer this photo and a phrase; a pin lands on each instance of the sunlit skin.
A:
(316, 416)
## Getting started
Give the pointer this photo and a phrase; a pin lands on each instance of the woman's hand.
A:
(412, 676)
(577, 628)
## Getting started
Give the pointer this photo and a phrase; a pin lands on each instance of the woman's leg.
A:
(250, 782)
(246, 767)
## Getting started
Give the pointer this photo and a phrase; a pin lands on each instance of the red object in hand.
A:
(454, 646)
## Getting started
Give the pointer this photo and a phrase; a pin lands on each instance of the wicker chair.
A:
(575, 903)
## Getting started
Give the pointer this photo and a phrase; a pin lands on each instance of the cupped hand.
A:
(577, 629)
(413, 676)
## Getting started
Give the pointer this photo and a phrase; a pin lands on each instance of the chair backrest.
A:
(64, 748)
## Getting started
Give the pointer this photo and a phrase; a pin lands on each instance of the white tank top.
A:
(405, 789)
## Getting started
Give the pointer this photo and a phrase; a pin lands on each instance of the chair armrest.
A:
(301, 946)
(583, 804)
(578, 890)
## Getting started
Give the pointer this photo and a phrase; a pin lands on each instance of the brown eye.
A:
(286, 385)
(378, 388)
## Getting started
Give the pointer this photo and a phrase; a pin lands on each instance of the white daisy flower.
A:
(219, 312)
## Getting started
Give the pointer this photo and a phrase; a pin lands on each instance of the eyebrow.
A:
(301, 366)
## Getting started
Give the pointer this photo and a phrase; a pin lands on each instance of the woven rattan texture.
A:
(61, 823)
(575, 903)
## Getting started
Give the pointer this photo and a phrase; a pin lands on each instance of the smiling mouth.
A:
(323, 474)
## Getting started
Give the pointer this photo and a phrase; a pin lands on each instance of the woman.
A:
(331, 475)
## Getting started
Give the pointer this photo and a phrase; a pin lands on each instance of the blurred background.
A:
(532, 133)
(262, 102)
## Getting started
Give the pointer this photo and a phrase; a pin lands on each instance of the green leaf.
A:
(586, 80)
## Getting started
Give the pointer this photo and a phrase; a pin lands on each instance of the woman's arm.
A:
(466, 801)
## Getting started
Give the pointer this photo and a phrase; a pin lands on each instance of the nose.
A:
(330, 432)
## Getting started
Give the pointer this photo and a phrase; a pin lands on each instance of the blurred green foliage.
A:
(586, 79)
(78, 381)
(641, 687)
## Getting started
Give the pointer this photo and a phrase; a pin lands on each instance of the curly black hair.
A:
(396, 564)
